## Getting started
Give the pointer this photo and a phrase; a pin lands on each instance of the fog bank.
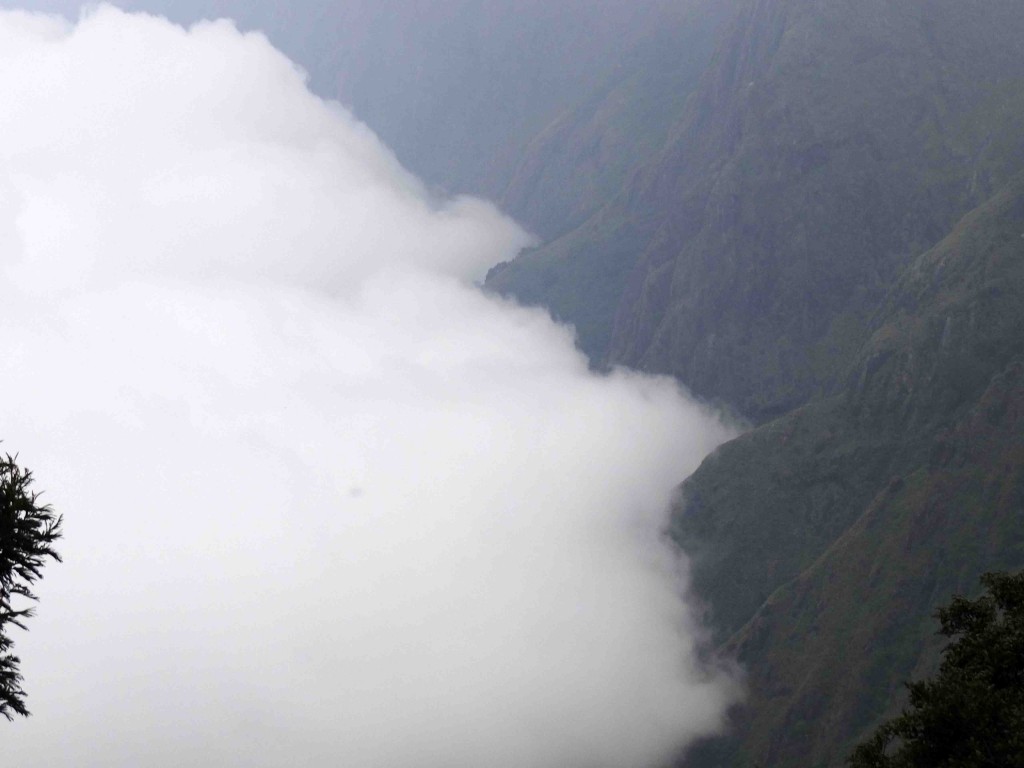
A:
(326, 503)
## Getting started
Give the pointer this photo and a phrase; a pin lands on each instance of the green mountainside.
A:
(830, 242)
(824, 541)
(826, 145)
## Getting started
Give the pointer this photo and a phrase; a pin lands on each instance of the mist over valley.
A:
(512, 383)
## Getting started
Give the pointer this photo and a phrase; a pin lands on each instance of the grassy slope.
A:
(826, 539)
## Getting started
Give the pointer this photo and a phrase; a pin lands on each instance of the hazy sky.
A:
(326, 503)
(458, 88)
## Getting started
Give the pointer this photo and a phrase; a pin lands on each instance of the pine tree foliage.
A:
(971, 715)
(28, 533)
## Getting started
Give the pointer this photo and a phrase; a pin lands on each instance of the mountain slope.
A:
(824, 541)
(581, 158)
(566, 181)
(827, 144)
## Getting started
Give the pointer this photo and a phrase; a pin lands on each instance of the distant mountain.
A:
(825, 146)
(824, 541)
(543, 107)
(620, 119)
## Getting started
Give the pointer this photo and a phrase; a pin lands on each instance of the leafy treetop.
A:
(971, 715)
(28, 532)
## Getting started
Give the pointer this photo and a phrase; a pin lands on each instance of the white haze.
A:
(326, 503)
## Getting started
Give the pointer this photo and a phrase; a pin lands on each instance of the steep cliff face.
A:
(572, 183)
(826, 145)
(829, 144)
(824, 541)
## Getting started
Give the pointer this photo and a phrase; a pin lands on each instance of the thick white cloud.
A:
(326, 503)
